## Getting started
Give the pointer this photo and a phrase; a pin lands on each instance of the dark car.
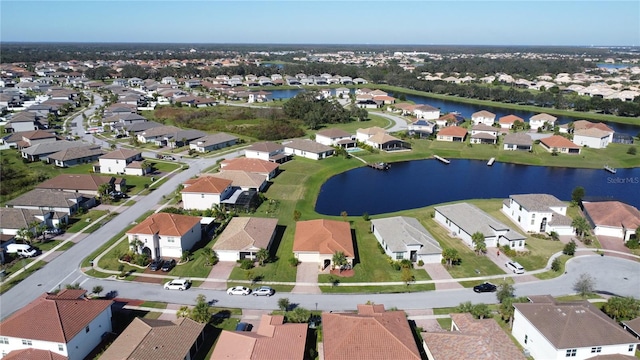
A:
(243, 326)
(486, 287)
(156, 264)
(168, 265)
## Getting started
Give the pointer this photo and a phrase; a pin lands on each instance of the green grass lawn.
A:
(79, 222)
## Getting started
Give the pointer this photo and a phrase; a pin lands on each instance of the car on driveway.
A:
(238, 290)
(177, 284)
(263, 291)
(54, 231)
(156, 264)
(168, 265)
(486, 287)
(243, 326)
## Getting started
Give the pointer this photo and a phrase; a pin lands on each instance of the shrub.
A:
(293, 262)
(570, 248)
(632, 150)
(420, 263)
(633, 243)
(381, 249)
(121, 267)
(555, 265)
(406, 264)
(141, 260)
(246, 264)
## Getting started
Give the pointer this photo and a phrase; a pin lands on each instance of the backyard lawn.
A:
(79, 222)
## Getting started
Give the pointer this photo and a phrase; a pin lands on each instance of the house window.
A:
(533, 216)
(596, 349)
(202, 196)
(520, 207)
(399, 256)
(533, 221)
(518, 218)
(571, 353)
(27, 342)
(171, 240)
(520, 243)
(60, 347)
(4, 340)
(526, 338)
(632, 347)
(86, 330)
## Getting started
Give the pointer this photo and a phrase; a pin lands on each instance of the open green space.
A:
(77, 222)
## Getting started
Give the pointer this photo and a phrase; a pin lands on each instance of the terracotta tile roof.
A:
(453, 131)
(382, 138)
(54, 318)
(33, 354)
(88, 182)
(207, 185)
(510, 119)
(613, 213)
(273, 340)
(249, 164)
(323, 236)
(483, 113)
(371, 334)
(584, 124)
(166, 224)
(149, 339)
(452, 118)
(557, 141)
(543, 117)
(121, 154)
(474, 339)
(558, 324)
(243, 233)
(37, 134)
(333, 133)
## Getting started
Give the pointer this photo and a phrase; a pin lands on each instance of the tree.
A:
(339, 259)
(569, 248)
(283, 304)
(26, 235)
(210, 256)
(581, 225)
(262, 256)
(450, 256)
(344, 215)
(577, 195)
(506, 308)
(585, 285)
(103, 189)
(74, 286)
(407, 276)
(136, 246)
(479, 244)
(555, 265)
(622, 308)
(296, 215)
(200, 312)
(97, 290)
(505, 291)
(40, 230)
(481, 311)
(298, 315)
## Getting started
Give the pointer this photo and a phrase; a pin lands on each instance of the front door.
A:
(326, 263)
(414, 255)
(543, 225)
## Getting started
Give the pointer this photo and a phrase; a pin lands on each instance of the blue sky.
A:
(325, 22)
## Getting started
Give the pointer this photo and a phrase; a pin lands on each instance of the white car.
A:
(239, 290)
(177, 284)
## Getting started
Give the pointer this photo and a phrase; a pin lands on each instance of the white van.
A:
(23, 250)
(515, 267)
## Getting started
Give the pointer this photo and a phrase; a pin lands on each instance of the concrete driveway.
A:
(307, 278)
(438, 272)
(220, 272)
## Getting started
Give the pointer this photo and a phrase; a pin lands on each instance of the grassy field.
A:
(79, 222)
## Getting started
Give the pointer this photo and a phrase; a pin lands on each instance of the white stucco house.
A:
(64, 324)
(204, 192)
(308, 149)
(462, 220)
(165, 235)
(363, 135)
(426, 112)
(612, 218)
(335, 137)
(243, 237)
(538, 213)
(574, 330)
(593, 138)
(540, 120)
(483, 117)
(268, 151)
(116, 162)
(404, 237)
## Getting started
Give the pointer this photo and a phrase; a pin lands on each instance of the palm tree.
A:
(40, 230)
(262, 256)
(581, 226)
(478, 242)
(339, 259)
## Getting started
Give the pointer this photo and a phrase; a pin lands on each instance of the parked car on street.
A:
(168, 265)
(486, 287)
(156, 264)
(177, 284)
(239, 290)
(263, 291)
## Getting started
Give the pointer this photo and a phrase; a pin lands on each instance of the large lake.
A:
(419, 183)
(466, 110)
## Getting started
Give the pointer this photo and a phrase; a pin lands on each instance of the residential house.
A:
(484, 134)
(450, 119)
(371, 333)
(86, 184)
(244, 180)
(422, 128)
(76, 155)
(204, 192)
(471, 338)
(266, 168)
(559, 144)
(584, 125)
(213, 142)
(244, 236)
(342, 92)
(592, 137)
(179, 339)
(483, 117)
(576, 330)
(192, 83)
(259, 96)
(540, 120)
(405, 108)
(612, 218)
(25, 139)
(12, 220)
(426, 112)
(335, 137)
(21, 122)
(452, 134)
(316, 241)
(363, 135)
(538, 213)
(274, 339)
(369, 104)
(117, 161)
(169, 136)
(386, 142)
(135, 128)
(518, 141)
(462, 220)
(308, 148)
(165, 235)
(268, 151)
(404, 237)
(41, 152)
(507, 122)
(67, 324)
(51, 200)
(633, 327)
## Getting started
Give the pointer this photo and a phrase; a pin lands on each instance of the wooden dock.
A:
(442, 159)
(491, 161)
(610, 169)
(379, 165)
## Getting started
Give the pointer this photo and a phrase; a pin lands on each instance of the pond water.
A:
(419, 183)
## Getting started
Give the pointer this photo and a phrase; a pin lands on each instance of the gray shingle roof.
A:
(13, 218)
(52, 147)
(518, 139)
(308, 145)
(400, 231)
(471, 219)
(77, 153)
(537, 202)
(215, 139)
(46, 198)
